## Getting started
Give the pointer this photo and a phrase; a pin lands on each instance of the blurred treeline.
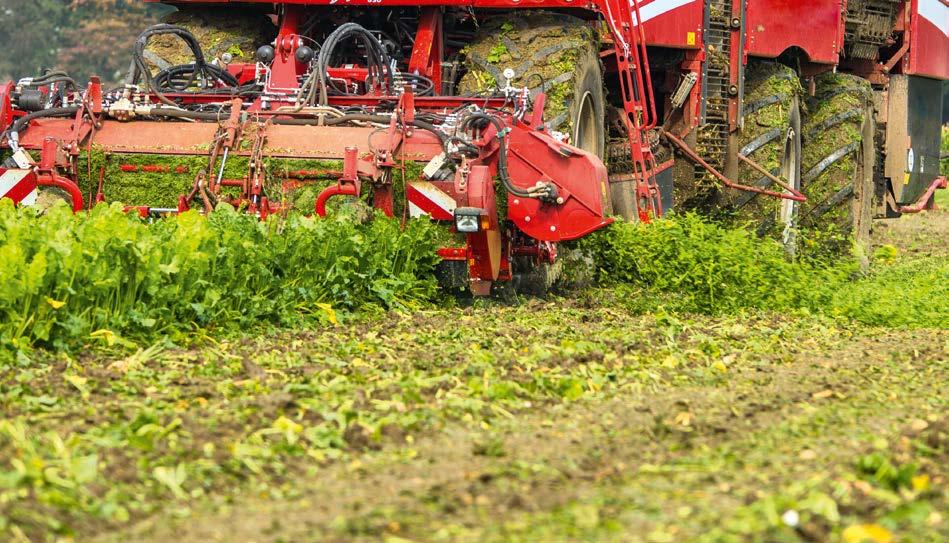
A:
(83, 37)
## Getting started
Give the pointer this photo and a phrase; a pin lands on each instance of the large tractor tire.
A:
(233, 31)
(550, 52)
(839, 159)
(771, 137)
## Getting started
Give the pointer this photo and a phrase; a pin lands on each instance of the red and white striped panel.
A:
(650, 9)
(19, 186)
(425, 199)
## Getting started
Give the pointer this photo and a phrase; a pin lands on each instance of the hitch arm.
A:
(791, 194)
(348, 184)
(920, 205)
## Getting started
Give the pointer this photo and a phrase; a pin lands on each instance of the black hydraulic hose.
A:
(179, 78)
(58, 79)
(139, 68)
(185, 114)
(176, 113)
(378, 60)
(57, 76)
(52, 73)
(502, 158)
(421, 85)
(442, 137)
(24, 121)
(310, 121)
(502, 151)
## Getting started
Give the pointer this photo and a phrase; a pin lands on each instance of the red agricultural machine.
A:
(520, 124)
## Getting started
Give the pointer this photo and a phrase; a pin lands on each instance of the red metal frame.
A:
(427, 54)
(928, 28)
(813, 26)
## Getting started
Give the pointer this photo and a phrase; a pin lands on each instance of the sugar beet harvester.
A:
(519, 124)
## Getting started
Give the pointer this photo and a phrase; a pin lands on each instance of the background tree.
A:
(83, 37)
(29, 35)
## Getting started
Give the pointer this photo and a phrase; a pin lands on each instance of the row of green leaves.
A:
(108, 274)
(701, 266)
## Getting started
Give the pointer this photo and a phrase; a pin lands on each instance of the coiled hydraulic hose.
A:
(180, 78)
(199, 70)
(378, 63)
(546, 192)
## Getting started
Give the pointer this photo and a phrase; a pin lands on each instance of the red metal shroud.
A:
(581, 180)
(6, 108)
(929, 39)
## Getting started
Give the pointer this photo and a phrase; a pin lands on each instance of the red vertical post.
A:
(350, 165)
(285, 68)
(427, 53)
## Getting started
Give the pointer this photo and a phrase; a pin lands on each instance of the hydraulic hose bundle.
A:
(315, 90)
(177, 78)
(48, 90)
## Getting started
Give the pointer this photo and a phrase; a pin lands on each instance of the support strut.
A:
(791, 194)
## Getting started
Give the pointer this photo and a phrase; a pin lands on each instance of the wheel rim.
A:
(585, 134)
(863, 185)
(790, 172)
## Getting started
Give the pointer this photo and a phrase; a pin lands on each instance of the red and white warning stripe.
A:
(425, 199)
(19, 186)
(651, 10)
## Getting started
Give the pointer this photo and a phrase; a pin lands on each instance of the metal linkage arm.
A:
(791, 194)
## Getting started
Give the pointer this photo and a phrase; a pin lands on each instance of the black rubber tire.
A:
(838, 168)
(770, 136)
(49, 197)
(556, 53)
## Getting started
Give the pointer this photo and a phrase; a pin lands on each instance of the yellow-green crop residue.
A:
(140, 180)
(158, 180)
(780, 85)
(539, 47)
(218, 31)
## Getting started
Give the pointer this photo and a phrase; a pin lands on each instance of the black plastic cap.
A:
(266, 54)
(305, 54)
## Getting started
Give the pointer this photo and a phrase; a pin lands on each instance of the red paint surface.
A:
(929, 47)
(815, 26)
